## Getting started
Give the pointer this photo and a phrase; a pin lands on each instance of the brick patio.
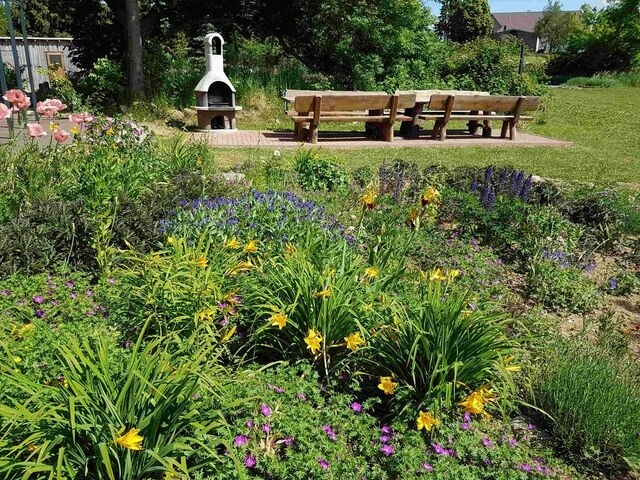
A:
(254, 138)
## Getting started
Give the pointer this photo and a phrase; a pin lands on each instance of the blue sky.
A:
(525, 5)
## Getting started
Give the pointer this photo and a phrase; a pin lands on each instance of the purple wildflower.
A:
(356, 407)
(240, 440)
(38, 299)
(266, 428)
(265, 410)
(278, 389)
(613, 284)
(513, 442)
(196, 396)
(323, 463)
(426, 467)
(249, 461)
(486, 442)
(440, 450)
(387, 450)
(288, 441)
(249, 424)
(385, 438)
(127, 344)
(4, 292)
(73, 296)
(386, 429)
(467, 416)
(111, 281)
(301, 396)
(465, 425)
(89, 293)
(531, 426)
(525, 467)
(40, 313)
(329, 431)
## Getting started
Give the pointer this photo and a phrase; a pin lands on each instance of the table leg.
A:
(374, 129)
(486, 128)
(473, 125)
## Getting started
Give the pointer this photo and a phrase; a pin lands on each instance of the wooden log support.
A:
(447, 116)
(388, 126)
(313, 127)
(516, 118)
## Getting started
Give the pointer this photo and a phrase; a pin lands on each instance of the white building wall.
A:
(38, 47)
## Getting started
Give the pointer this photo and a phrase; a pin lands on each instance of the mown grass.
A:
(603, 123)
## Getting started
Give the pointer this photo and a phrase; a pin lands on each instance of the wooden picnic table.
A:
(412, 129)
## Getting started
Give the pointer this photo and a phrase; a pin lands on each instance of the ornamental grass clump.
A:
(132, 418)
(439, 351)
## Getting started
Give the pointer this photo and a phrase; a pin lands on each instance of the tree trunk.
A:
(134, 48)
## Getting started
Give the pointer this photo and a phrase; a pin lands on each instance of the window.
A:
(56, 59)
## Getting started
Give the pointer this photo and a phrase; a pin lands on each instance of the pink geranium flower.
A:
(81, 118)
(50, 107)
(5, 112)
(35, 130)
(60, 135)
(18, 99)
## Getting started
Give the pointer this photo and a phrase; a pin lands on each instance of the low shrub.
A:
(318, 173)
(559, 286)
(594, 401)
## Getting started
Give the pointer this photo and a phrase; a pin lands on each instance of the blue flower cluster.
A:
(266, 216)
(514, 183)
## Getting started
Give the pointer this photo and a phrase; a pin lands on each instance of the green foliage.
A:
(559, 286)
(318, 173)
(71, 426)
(438, 348)
(594, 401)
(463, 21)
(491, 65)
(624, 283)
(606, 80)
(60, 87)
(103, 86)
(557, 26)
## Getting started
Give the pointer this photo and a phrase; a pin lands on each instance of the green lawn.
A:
(604, 124)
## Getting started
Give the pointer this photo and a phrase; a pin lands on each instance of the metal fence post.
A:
(27, 56)
(14, 46)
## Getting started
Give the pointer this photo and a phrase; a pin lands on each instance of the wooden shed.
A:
(44, 52)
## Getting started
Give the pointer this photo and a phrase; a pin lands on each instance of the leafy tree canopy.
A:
(465, 20)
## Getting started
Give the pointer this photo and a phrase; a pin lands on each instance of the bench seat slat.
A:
(438, 116)
(346, 118)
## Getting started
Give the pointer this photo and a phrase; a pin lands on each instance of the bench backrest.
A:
(487, 103)
(345, 103)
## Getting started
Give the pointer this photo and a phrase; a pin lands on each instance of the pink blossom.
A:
(50, 107)
(61, 135)
(81, 118)
(18, 99)
(35, 130)
(5, 112)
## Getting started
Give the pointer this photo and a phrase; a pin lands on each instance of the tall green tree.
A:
(556, 26)
(465, 20)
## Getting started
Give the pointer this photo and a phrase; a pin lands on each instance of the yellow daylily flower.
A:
(251, 247)
(202, 262)
(279, 320)
(130, 440)
(371, 273)
(431, 195)
(387, 385)
(313, 341)
(452, 274)
(369, 199)
(17, 359)
(437, 275)
(206, 314)
(290, 248)
(413, 221)
(240, 267)
(354, 340)
(427, 421)
(24, 330)
(171, 240)
(233, 243)
(75, 130)
(326, 293)
(474, 403)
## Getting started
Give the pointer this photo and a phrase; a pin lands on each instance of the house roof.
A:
(525, 21)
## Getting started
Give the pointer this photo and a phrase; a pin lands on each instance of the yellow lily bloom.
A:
(369, 199)
(387, 385)
(313, 341)
(251, 247)
(206, 314)
(279, 320)
(413, 221)
(290, 248)
(24, 330)
(371, 273)
(474, 403)
(233, 243)
(202, 262)
(130, 440)
(170, 240)
(354, 340)
(425, 420)
(326, 293)
(240, 267)
(452, 274)
(437, 275)
(431, 195)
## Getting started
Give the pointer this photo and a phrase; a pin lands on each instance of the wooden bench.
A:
(444, 108)
(310, 110)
